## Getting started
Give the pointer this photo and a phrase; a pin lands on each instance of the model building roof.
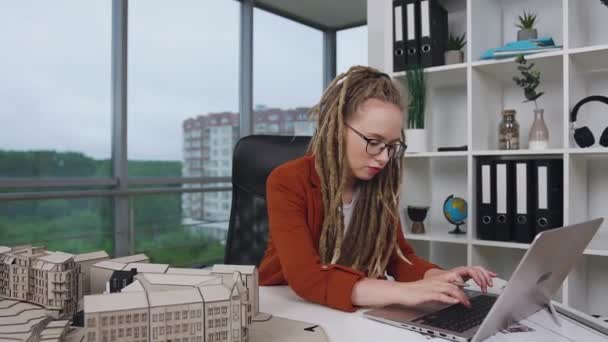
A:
(135, 286)
(110, 265)
(189, 271)
(174, 297)
(4, 249)
(56, 257)
(132, 258)
(147, 268)
(115, 302)
(91, 256)
(244, 269)
(214, 293)
(178, 279)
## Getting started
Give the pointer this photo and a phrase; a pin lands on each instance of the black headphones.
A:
(583, 136)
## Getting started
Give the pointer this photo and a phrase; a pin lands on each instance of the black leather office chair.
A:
(254, 157)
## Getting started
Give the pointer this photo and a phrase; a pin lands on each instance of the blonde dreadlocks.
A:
(373, 228)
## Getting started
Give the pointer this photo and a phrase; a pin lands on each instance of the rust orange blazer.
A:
(295, 214)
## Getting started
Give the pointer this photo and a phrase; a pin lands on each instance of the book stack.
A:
(522, 47)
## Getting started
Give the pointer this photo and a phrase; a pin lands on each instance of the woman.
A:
(333, 214)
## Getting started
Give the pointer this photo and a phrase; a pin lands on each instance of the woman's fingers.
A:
(487, 274)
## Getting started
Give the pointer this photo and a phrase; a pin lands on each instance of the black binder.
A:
(523, 222)
(549, 202)
(503, 225)
(399, 35)
(412, 29)
(432, 22)
(486, 198)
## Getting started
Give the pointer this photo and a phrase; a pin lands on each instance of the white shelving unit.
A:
(464, 106)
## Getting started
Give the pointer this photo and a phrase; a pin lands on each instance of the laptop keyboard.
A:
(458, 317)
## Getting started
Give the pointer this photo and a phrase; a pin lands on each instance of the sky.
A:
(183, 61)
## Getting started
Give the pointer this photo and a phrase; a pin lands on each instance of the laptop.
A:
(536, 279)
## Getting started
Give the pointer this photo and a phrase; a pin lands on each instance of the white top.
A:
(347, 210)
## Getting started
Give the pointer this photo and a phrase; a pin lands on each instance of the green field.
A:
(85, 225)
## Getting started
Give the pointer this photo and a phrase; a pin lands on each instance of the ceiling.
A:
(321, 14)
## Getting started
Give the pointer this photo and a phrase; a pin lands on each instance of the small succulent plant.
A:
(457, 42)
(527, 21)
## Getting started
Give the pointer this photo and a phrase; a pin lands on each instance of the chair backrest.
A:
(254, 157)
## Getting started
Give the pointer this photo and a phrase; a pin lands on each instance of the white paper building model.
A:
(35, 275)
(174, 304)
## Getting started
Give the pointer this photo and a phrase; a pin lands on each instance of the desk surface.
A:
(354, 327)
(339, 326)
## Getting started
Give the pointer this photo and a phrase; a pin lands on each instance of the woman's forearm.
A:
(375, 292)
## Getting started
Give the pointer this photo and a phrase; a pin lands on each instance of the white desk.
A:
(353, 327)
(338, 325)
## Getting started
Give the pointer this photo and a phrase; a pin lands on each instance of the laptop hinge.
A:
(553, 313)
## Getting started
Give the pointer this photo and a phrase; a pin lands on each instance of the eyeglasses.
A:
(375, 146)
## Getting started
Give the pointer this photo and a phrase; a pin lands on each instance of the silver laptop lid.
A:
(539, 275)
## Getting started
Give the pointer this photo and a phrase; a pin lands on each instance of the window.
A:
(171, 218)
(273, 69)
(68, 225)
(91, 322)
(169, 73)
(42, 89)
(351, 48)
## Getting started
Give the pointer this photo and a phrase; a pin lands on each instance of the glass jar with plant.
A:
(526, 26)
(415, 134)
(538, 138)
(454, 54)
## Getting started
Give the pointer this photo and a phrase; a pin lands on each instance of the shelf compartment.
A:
(588, 196)
(493, 22)
(588, 75)
(444, 255)
(447, 154)
(436, 234)
(428, 182)
(494, 90)
(587, 23)
(520, 152)
(587, 285)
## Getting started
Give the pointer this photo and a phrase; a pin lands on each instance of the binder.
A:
(486, 194)
(549, 201)
(504, 200)
(412, 36)
(523, 222)
(433, 31)
(399, 34)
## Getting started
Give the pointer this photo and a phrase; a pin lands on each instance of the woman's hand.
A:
(481, 276)
(441, 288)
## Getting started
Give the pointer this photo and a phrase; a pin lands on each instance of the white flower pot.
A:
(416, 140)
(453, 57)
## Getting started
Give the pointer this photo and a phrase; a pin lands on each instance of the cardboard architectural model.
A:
(170, 304)
(49, 279)
(130, 299)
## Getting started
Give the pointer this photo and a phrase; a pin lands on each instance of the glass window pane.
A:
(287, 70)
(183, 81)
(182, 229)
(67, 225)
(55, 88)
(351, 48)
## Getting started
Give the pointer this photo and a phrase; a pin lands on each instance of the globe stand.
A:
(457, 230)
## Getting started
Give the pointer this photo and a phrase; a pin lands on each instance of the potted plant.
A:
(454, 54)
(415, 134)
(538, 138)
(526, 26)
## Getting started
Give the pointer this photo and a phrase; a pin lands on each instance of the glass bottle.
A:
(508, 131)
(538, 139)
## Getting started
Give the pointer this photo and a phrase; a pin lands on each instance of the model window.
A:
(210, 311)
(91, 322)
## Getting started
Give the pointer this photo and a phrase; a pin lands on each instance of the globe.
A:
(455, 211)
